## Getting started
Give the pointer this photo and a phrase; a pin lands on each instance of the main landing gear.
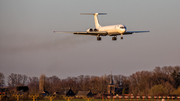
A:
(114, 38)
(98, 38)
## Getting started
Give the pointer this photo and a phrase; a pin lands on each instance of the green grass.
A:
(112, 100)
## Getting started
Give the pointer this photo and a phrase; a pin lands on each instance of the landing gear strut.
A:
(121, 36)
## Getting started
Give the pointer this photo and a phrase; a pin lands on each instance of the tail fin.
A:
(95, 18)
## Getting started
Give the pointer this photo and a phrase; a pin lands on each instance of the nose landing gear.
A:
(121, 36)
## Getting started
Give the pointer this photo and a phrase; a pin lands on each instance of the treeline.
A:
(160, 81)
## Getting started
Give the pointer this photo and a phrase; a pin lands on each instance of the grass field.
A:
(112, 100)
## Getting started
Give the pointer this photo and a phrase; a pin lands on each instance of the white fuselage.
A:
(113, 29)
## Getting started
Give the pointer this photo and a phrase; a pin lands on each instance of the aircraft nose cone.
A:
(124, 30)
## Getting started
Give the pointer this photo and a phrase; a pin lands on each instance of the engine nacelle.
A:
(90, 30)
(95, 29)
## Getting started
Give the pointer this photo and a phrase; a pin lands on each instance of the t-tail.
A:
(97, 25)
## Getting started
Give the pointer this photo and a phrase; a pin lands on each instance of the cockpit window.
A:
(123, 27)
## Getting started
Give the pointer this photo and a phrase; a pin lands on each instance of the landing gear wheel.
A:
(98, 38)
(114, 38)
(121, 37)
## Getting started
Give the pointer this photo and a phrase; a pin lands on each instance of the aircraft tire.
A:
(98, 38)
(114, 38)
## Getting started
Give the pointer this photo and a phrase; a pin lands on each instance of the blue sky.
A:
(29, 46)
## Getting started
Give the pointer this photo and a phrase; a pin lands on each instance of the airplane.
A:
(112, 30)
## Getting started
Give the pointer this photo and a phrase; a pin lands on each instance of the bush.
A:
(159, 90)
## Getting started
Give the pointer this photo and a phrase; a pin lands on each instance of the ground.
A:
(114, 100)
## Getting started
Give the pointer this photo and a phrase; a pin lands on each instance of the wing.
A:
(94, 33)
(131, 32)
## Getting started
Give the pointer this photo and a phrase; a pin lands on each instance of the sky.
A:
(29, 47)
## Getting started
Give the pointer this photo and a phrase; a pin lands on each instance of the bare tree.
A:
(86, 84)
(24, 80)
(17, 80)
(53, 84)
(105, 83)
(2, 83)
(118, 80)
(95, 84)
(12, 80)
(81, 82)
(33, 85)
